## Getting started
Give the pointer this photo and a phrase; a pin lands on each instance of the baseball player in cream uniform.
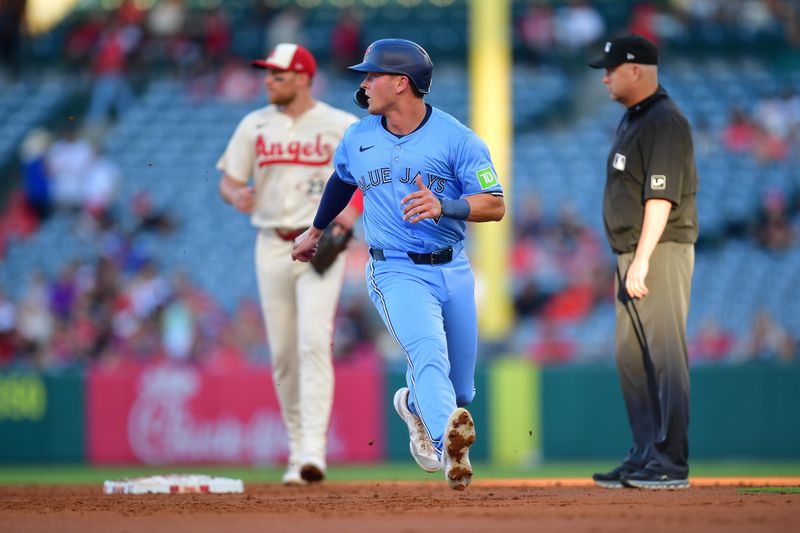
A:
(287, 149)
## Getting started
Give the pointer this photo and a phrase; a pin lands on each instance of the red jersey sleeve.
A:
(357, 202)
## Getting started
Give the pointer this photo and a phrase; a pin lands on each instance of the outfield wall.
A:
(42, 417)
(170, 414)
(736, 412)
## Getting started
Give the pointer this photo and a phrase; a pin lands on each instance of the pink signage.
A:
(171, 414)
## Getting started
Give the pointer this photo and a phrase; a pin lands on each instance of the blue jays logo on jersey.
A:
(383, 175)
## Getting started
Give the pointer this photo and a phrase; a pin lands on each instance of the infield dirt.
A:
(496, 506)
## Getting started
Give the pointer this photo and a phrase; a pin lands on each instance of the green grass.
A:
(408, 471)
(775, 490)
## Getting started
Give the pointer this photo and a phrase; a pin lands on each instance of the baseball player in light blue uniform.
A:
(423, 174)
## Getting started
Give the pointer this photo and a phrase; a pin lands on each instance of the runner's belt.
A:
(438, 257)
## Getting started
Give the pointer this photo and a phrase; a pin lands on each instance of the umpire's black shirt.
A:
(652, 157)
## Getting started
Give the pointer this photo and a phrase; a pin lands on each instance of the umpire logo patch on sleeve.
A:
(658, 182)
(486, 177)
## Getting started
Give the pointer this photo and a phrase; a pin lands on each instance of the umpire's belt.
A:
(438, 257)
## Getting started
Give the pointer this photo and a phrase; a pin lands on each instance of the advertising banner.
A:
(172, 414)
(41, 417)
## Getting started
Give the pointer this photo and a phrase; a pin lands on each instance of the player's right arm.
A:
(656, 214)
(236, 165)
(238, 194)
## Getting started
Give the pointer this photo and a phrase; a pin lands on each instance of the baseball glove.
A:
(329, 247)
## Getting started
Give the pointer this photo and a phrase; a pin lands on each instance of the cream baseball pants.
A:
(298, 306)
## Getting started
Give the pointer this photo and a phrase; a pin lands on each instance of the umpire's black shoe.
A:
(647, 478)
(613, 479)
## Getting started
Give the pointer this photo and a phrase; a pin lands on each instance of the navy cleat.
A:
(613, 479)
(647, 478)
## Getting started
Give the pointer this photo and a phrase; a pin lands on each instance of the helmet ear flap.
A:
(360, 98)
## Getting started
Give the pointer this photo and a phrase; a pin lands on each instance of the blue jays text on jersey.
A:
(382, 176)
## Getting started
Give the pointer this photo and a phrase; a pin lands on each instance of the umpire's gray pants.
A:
(652, 358)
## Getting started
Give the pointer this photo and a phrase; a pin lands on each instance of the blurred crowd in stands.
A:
(123, 304)
(769, 130)
(552, 31)
(562, 274)
(107, 39)
(120, 303)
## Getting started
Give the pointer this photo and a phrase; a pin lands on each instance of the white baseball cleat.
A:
(419, 444)
(292, 476)
(459, 435)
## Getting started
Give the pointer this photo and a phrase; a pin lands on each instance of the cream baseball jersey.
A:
(290, 160)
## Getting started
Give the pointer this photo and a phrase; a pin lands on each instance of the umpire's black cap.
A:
(627, 49)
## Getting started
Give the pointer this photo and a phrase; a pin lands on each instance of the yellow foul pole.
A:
(491, 100)
(42, 15)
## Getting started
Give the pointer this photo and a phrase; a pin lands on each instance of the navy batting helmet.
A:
(396, 56)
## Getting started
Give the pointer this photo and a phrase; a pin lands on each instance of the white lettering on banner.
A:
(162, 429)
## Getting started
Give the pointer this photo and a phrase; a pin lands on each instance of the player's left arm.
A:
(485, 207)
(482, 191)
(482, 195)
(423, 204)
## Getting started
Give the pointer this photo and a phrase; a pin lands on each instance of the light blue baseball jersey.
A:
(428, 309)
(453, 161)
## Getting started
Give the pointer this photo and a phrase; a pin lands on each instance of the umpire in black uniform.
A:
(650, 216)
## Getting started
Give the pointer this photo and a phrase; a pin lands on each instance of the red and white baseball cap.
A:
(288, 56)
